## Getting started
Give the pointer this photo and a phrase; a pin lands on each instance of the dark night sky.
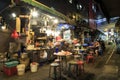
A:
(62, 6)
(4, 3)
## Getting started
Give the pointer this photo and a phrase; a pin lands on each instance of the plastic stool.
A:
(77, 57)
(81, 65)
(73, 64)
(54, 66)
(59, 62)
(90, 57)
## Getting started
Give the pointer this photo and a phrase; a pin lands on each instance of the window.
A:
(94, 7)
(79, 6)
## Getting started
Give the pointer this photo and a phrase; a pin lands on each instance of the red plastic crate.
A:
(9, 71)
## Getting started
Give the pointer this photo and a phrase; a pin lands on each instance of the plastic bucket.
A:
(21, 69)
(34, 66)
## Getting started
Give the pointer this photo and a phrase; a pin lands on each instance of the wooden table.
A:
(34, 54)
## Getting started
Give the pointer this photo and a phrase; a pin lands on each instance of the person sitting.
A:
(96, 47)
(43, 54)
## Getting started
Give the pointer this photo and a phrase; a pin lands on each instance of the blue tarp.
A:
(65, 26)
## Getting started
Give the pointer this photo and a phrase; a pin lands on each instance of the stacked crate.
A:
(9, 68)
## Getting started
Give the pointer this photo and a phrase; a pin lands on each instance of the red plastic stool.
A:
(81, 65)
(90, 57)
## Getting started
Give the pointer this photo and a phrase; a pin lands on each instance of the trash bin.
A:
(34, 66)
(21, 69)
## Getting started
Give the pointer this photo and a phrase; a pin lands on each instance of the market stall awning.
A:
(49, 10)
(107, 26)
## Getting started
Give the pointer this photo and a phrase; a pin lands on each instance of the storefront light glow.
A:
(57, 33)
(53, 33)
(55, 21)
(106, 33)
(79, 6)
(50, 16)
(70, 1)
(73, 16)
(48, 32)
(44, 29)
(13, 15)
(34, 14)
(3, 27)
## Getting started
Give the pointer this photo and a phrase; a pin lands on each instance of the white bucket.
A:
(21, 69)
(34, 67)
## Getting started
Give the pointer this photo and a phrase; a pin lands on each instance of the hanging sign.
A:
(67, 35)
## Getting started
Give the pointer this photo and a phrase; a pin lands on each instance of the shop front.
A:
(36, 38)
